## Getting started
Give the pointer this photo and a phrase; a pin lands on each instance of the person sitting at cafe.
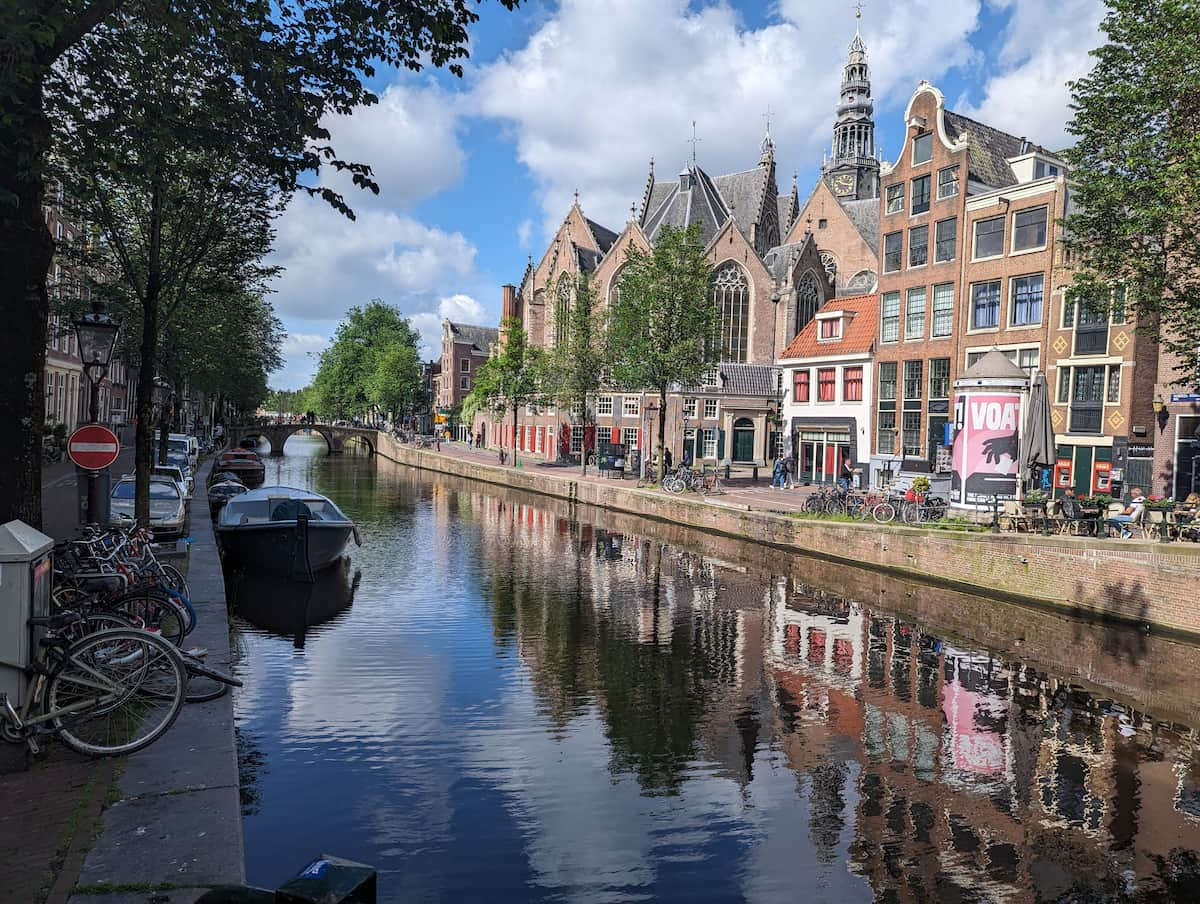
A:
(1132, 513)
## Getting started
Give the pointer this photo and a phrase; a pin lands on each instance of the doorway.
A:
(743, 440)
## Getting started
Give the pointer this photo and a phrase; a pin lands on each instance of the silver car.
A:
(168, 513)
(177, 474)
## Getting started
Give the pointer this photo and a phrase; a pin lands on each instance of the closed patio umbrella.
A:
(1037, 440)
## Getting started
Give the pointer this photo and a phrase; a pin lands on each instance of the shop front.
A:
(820, 449)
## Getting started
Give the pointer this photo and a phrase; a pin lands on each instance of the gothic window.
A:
(808, 300)
(562, 307)
(731, 293)
(830, 263)
(863, 281)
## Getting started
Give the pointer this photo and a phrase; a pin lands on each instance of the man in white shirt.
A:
(1132, 514)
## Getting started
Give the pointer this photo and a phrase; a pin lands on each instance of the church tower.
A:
(852, 172)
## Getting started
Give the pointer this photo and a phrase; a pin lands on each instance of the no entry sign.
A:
(93, 447)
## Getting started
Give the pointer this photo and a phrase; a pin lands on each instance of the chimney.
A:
(508, 301)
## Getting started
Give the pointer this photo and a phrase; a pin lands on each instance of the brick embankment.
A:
(176, 826)
(1141, 583)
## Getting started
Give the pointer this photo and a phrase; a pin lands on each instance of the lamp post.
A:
(97, 335)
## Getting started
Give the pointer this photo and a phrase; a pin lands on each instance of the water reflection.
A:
(531, 702)
(291, 608)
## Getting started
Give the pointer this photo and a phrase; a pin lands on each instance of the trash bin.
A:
(25, 578)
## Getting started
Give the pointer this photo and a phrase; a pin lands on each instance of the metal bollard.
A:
(727, 472)
(755, 474)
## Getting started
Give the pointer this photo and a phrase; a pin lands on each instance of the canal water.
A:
(502, 698)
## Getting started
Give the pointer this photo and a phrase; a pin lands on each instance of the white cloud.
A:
(410, 141)
(604, 85)
(459, 308)
(524, 233)
(1045, 46)
(303, 344)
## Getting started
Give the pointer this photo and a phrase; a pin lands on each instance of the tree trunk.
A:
(26, 250)
(662, 435)
(144, 452)
(514, 436)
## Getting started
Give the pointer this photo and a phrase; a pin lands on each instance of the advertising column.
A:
(989, 415)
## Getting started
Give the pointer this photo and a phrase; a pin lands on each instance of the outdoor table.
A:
(1097, 515)
(1041, 509)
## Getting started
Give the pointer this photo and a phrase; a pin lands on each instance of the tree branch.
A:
(74, 32)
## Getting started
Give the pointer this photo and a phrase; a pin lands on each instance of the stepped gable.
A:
(858, 334)
(988, 149)
(480, 337)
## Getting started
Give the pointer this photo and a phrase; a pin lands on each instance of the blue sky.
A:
(579, 95)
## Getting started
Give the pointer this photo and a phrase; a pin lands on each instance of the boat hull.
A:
(271, 548)
(251, 474)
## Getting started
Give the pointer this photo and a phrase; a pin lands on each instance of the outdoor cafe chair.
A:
(1013, 518)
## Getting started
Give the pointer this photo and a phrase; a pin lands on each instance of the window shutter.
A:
(639, 437)
(720, 445)
(616, 434)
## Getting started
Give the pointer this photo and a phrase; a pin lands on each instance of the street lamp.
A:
(97, 336)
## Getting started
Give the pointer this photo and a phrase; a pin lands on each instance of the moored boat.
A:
(245, 464)
(221, 492)
(261, 531)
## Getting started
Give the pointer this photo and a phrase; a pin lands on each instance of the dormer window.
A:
(831, 329)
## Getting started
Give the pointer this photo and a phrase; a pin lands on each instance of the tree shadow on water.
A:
(1121, 623)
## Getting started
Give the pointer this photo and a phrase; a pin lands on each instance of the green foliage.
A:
(920, 485)
(1135, 169)
(662, 322)
(372, 361)
(509, 380)
(575, 363)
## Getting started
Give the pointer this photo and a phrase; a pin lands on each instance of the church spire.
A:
(853, 169)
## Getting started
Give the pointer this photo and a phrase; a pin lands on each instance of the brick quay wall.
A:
(1141, 583)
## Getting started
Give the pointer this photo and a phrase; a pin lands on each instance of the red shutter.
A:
(639, 445)
(616, 434)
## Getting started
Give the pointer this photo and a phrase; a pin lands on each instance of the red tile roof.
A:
(858, 330)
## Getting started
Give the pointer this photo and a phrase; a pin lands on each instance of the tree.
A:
(1135, 170)
(509, 380)
(663, 320)
(575, 364)
(294, 63)
(395, 382)
(348, 379)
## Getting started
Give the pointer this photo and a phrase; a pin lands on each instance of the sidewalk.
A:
(740, 491)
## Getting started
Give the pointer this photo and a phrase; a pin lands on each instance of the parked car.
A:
(168, 513)
(182, 443)
(176, 473)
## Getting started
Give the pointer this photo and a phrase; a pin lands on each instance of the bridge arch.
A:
(277, 434)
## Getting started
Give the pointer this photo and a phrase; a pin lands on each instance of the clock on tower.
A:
(844, 184)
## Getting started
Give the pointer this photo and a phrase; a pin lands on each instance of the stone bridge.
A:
(335, 437)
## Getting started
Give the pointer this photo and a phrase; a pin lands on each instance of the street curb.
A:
(177, 822)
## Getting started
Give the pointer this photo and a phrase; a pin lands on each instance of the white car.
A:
(168, 514)
(177, 474)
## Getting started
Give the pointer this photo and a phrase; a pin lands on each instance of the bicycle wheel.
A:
(123, 688)
(206, 683)
(175, 580)
(911, 513)
(884, 512)
(95, 621)
(814, 504)
(158, 613)
(835, 507)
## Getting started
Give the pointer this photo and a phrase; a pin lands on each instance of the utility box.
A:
(26, 574)
(330, 880)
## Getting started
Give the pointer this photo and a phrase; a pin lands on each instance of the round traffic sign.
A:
(93, 447)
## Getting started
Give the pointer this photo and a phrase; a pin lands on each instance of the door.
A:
(743, 440)
(689, 443)
(1083, 471)
(1087, 401)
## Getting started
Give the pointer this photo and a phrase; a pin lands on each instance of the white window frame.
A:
(465, 366)
(894, 205)
(629, 435)
(954, 184)
(709, 442)
(464, 382)
(631, 406)
(915, 291)
(975, 239)
(1012, 240)
(689, 407)
(604, 404)
(710, 409)
(915, 139)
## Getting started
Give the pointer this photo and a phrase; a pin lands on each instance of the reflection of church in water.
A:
(953, 772)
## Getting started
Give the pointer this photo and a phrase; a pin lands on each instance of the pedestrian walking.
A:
(789, 481)
(667, 461)
(478, 441)
(844, 476)
(687, 458)
(778, 473)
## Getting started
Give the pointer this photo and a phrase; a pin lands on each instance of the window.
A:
(1068, 314)
(604, 405)
(912, 433)
(895, 198)
(629, 436)
(710, 408)
(808, 300)
(822, 223)
(887, 381)
(939, 378)
(689, 407)
(631, 406)
(914, 314)
(989, 237)
(800, 385)
(1029, 360)
(943, 310)
(1087, 400)
(1029, 229)
(886, 439)
(1064, 385)
(893, 251)
(562, 310)
(985, 305)
(731, 294)
(890, 323)
(710, 443)
(922, 148)
(1026, 305)
(826, 384)
(852, 384)
(831, 328)
(710, 377)
(945, 238)
(912, 379)
(947, 182)
(920, 194)
(1114, 384)
(464, 382)
(1118, 305)
(466, 366)
(918, 246)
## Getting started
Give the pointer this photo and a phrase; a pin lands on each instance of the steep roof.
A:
(787, 211)
(988, 149)
(480, 337)
(744, 194)
(748, 379)
(864, 215)
(602, 234)
(858, 332)
(680, 207)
